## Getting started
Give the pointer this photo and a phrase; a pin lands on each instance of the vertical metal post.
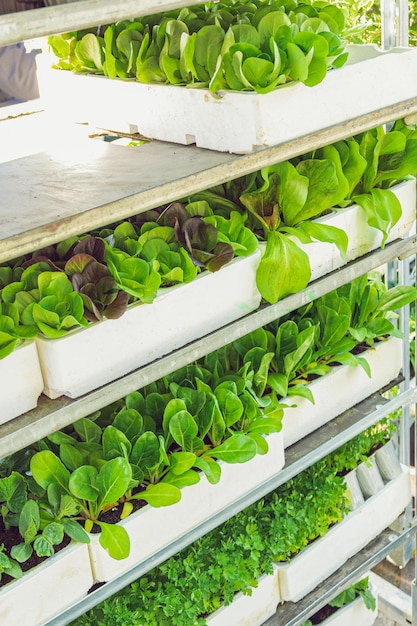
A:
(401, 274)
(404, 278)
(388, 24)
(394, 23)
(402, 30)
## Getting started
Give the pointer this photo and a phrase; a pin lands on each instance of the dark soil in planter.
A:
(112, 516)
(323, 614)
(12, 537)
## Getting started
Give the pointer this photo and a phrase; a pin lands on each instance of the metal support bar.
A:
(62, 18)
(403, 26)
(388, 24)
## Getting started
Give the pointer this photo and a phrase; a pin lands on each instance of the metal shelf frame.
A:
(205, 169)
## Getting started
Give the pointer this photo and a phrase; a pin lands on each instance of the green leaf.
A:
(208, 44)
(83, 483)
(21, 552)
(188, 478)
(29, 521)
(210, 467)
(43, 547)
(88, 430)
(230, 405)
(90, 51)
(115, 540)
(145, 452)
(382, 208)
(236, 449)
(301, 390)
(397, 297)
(71, 456)
(113, 480)
(270, 24)
(47, 469)
(326, 233)
(265, 426)
(292, 193)
(183, 429)
(327, 185)
(161, 494)
(75, 531)
(297, 62)
(355, 165)
(181, 462)
(283, 269)
(115, 443)
(279, 383)
(13, 491)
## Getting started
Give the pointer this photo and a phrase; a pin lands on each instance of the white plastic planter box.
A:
(243, 121)
(90, 357)
(369, 478)
(48, 589)
(21, 381)
(353, 613)
(329, 391)
(325, 257)
(151, 529)
(325, 555)
(387, 460)
(251, 610)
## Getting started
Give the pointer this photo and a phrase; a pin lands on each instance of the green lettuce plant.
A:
(90, 492)
(282, 202)
(286, 198)
(249, 46)
(281, 359)
(230, 559)
(45, 301)
(9, 566)
(43, 520)
(12, 333)
(372, 163)
(359, 589)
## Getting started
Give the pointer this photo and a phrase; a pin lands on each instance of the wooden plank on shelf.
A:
(78, 186)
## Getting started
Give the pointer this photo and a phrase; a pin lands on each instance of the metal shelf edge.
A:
(15, 27)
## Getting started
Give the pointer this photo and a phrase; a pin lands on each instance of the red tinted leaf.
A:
(93, 246)
(118, 306)
(77, 264)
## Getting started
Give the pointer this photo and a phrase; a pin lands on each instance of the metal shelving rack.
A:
(196, 169)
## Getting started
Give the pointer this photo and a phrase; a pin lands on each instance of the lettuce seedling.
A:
(283, 201)
(91, 492)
